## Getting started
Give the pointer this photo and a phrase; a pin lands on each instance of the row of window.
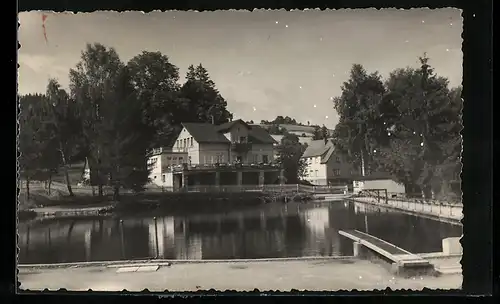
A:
(314, 173)
(317, 160)
(184, 143)
(219, 158)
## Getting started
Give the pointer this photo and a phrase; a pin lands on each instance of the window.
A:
(265, 159)
(189, 159)
(243, 139)
(337, 159)
(181, 160)
(336, 172)
(256, 158)
(316, 173)
(163, 178)
(191, 141)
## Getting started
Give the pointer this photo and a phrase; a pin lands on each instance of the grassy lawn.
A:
(74, 172)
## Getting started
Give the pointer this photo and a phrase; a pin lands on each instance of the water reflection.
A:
(291, 230)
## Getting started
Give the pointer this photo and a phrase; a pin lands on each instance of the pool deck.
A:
(313, 274)
(444, 213)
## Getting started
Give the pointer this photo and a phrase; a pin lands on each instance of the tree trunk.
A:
(83, 170)
(116, 193)
(28, 188)
(50, 183)
(65, 168)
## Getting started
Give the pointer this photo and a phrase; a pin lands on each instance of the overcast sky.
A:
(264, 63)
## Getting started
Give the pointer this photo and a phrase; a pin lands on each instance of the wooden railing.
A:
(286, 188)
(383, 195)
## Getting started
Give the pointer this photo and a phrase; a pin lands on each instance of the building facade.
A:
(324, 166)
(161, 162)
(232, 142)
(233, 153)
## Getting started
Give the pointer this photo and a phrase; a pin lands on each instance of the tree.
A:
(422, 119)
(124, 148)
(155, 80)
(112, 121)
(316, 133)
(63, 123)
(28, 138)
(37, 142)
(360, 123)
(201, 101)
(290, 151)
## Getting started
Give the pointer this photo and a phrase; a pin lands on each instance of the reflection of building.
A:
(161, 236)
(88, 244)
(318, 220)
(323, 239)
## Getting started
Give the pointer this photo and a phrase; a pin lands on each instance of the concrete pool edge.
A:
(124, 263)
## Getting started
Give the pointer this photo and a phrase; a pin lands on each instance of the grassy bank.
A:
(194, 202)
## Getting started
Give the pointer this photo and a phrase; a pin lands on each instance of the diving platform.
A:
(402, 262)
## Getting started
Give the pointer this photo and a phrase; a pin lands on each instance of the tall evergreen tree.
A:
(202, 102)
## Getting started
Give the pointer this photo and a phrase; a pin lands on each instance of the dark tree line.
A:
(408, 125)
(114, 114)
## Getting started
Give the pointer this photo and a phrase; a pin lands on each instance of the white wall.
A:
(257, 152)
(238, 130)
(191, 147)
(316, 172)
(161, 162)
(388, 184)
(211, 153)
(156, 169)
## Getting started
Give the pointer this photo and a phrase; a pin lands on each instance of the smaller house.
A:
(324, 166)
(160, 163)
(378, 182)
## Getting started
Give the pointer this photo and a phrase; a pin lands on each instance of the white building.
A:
(324, 166)
(232, 142)
(160, 162)
(204, 145)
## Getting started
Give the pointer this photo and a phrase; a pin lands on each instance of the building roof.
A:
(205, 133)
(228, 125)
(302, 139)
(317, 148)
(258, 135)
(208, 133)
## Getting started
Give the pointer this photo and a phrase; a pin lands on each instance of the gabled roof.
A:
(319, 148)
(258, 135)
(208, 133)
(205, 133)
(228, 125)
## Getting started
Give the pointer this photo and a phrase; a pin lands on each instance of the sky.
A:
(264, 63)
